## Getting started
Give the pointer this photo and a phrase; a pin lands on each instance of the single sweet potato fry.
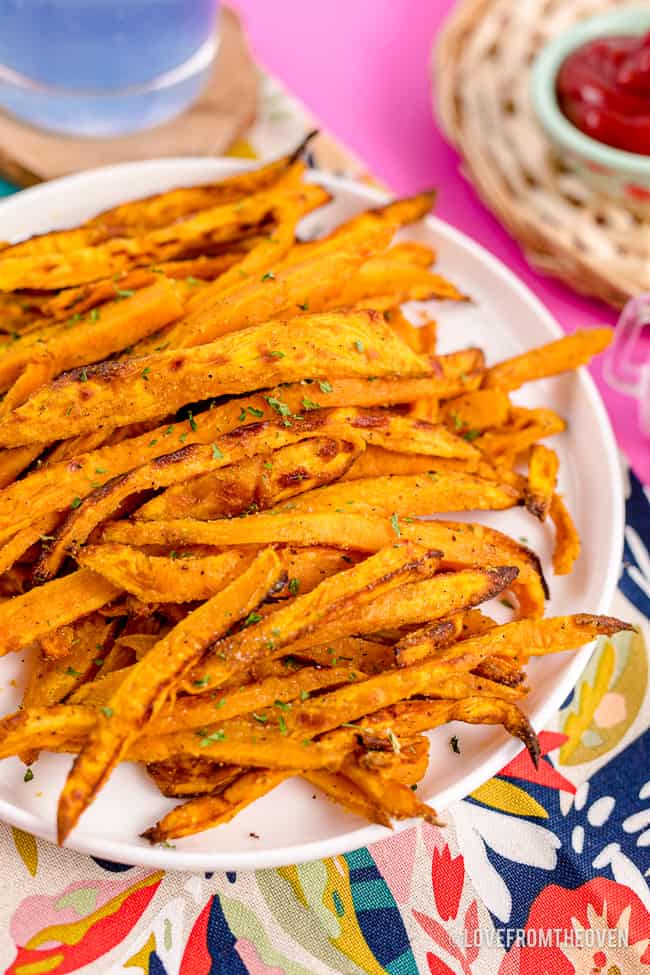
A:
(567, 539)
(543, 466)
(561, 355)
(344, 792)
(207, 812)
(255, 483)
(160, 580)
(27, 617)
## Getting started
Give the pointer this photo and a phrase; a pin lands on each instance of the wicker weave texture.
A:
(481, 73)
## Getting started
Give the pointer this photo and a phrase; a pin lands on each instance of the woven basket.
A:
(481, 81)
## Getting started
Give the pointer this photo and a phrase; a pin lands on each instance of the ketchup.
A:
(603, 88)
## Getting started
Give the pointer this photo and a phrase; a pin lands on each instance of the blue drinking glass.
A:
(104, 67)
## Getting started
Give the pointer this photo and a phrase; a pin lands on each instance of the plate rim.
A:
(127, 852)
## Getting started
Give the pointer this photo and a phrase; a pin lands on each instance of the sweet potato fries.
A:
(229, 465)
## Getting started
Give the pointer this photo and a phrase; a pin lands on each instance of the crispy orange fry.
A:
(190, 461)
(343, 791)
(477, 411)
(313, 285)
(566, 353)
(145, 690)
(156, 211)
(160, 580)
(216, 225)
(394, 798)
(17, 546)
(255, 483)
(525, 428)
(209, 811)
(116, 326)
(567, 539)
(25, 618)
(410, 495)
(356, 344)
(377, 461)
(542, 475)
(185, 778)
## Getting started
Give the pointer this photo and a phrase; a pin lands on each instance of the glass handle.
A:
(620, 369)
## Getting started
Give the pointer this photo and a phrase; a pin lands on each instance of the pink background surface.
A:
(362, 68)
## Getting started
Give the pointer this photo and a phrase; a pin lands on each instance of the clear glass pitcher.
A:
(627, 362)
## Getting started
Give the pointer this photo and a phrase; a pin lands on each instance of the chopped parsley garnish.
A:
(394, 523)
(98, 661)
(101, 470)
(277, 354)
(124, 293)
(71, 672)
(213, 736)
(242, 415)
(216, 453)
(145, 373)
(304, 695)
(106, 711)
(252, 618)
(253, 410)
(192, 422)
(28, 776)
(394, 741)
(94, 314)
(358, 345)
(192, 281)
(303, 306)
(455, 744)
(202, 681)
(282, 725)
(262, 718)
(269, 276)
(83, 376)
(471, 434)
(506, 602)
(276, 404)
(309, 404)
(75, 502)
(294, 586)
(325, 387)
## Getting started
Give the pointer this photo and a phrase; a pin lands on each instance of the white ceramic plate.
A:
(293, 823)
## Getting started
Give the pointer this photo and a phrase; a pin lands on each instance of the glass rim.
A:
(202, 58)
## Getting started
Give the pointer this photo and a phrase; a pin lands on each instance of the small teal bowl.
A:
(623, 176)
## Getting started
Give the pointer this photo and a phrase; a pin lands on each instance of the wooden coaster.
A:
(209, 127)
(482, 91)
